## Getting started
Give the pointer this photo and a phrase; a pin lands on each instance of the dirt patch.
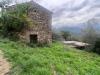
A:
(4, 65)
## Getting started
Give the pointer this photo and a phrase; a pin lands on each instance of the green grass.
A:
(53, 60)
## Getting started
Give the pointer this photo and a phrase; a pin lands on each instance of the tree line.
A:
(88, 35)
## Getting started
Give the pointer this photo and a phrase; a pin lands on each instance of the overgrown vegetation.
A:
(91, 36)
(66, 35)
(11, 26)
(56, 36)
(54, 60)
(97, 46)
(14, 20)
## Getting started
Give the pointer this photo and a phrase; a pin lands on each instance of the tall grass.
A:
(53, 60)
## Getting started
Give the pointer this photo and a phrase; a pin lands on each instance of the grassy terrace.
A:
(54, 60)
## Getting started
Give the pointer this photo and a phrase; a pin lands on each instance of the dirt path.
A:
(4, 65)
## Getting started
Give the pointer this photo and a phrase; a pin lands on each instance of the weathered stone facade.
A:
(41, 31)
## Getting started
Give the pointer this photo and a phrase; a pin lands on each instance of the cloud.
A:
(69, 12)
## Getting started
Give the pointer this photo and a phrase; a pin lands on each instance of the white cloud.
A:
(52, 4)
(72, 11)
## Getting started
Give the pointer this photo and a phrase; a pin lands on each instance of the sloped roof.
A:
(39, 6)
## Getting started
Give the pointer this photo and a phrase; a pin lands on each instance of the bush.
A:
(14, 21)
(56, 36)
(11, 25)
(66, 35)
(97, 46)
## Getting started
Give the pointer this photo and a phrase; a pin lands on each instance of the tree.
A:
(14, 20)
(4, 4)
(66, 35)
(97, 46)
(56, 36)
(89, 34)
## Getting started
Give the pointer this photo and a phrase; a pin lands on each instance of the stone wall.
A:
(41, 27)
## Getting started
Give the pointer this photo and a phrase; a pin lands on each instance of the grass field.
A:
(53, 60)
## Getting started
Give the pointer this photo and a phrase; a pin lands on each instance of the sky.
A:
(72, 12)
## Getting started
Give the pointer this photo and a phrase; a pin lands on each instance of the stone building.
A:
(40, 31)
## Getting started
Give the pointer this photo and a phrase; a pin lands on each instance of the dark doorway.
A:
(33, 38)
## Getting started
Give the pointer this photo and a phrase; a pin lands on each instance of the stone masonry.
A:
(40, 31)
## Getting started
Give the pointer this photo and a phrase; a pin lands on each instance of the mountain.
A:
(76, 29)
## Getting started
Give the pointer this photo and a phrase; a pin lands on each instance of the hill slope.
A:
(54, 60)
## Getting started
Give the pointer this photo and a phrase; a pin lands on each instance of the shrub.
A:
(97, 46)
(11, 26)
(56, 36)
(14, 21)
(66, 35)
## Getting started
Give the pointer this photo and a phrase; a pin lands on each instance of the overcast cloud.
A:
(66, 12)
(71, 12)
